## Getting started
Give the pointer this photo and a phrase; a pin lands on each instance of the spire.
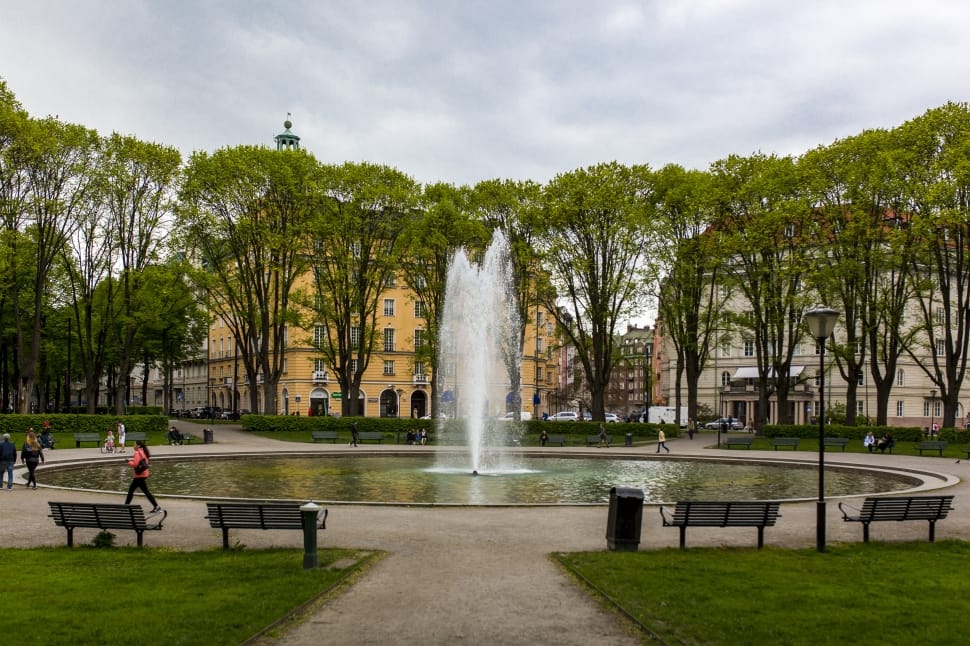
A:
(287, 140)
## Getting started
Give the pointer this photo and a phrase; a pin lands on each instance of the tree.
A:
(442, 227)
(509, 207)
(767, 245)
(690, 309)
(356, 237)
(594, 229)
(246, 211)
(137, 185)
(58, 162)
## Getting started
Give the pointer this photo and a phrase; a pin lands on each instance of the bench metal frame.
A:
(896, 508)
(835, 441)
(741, 513)
(316, 436)
(245, 515)
(931, 445)
(71, 515)
(738, 441)
(785, 441)
(370, 436)
(87, 437)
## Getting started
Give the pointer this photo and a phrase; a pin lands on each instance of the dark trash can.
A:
(624, 520)
(628, 439)
(207, 436)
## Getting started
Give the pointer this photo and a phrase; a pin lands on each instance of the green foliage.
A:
(809, 431)
(64, 423)
(104, 538)
(874, 593)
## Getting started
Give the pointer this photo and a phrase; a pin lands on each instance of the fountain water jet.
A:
(480, 330)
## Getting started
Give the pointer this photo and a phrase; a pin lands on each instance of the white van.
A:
(510, 416)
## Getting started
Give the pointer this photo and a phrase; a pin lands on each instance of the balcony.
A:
(227, 381)
(259, 378)
(420, 379)
(319, 375)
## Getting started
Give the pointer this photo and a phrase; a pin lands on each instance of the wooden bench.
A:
(133, 436)
(835, 441)
(753, 513)
(370, 436)
(555, 439)
(244, 515)
(785, 441)
(931, 445)
(316, 436)
(594, 440)
(928, 508)
(103, 516)
(187, 438)
(87, 437)
(739, 441)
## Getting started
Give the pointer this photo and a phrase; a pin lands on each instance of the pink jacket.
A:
(138, 456)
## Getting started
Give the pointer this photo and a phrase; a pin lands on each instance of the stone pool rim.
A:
(928, 480)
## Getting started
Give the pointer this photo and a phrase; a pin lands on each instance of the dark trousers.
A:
(140, 483)
(31, 480)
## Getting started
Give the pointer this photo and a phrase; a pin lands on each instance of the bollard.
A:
(310, 511)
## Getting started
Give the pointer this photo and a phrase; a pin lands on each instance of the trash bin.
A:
(624, 520)
(628, 439)
(207, 436)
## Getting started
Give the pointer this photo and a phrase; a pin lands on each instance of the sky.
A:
(464, 91)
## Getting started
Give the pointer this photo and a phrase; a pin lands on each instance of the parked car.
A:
(229, 414)
(612, 417)
(732, 423)
(525, 416)
(565, 416)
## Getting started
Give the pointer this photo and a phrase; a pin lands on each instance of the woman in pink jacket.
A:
(139, 480)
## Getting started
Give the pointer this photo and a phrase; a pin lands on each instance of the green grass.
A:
(954, 450)
(122, 595)
(876, 593)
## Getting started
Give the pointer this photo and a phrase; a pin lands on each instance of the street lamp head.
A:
(821, 321)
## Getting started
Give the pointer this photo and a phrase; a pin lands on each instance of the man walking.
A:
(8, 456)
(662, 441)
(353, 434)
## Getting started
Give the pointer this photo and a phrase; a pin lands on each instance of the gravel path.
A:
(474, 575)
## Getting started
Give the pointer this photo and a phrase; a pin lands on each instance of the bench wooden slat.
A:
(736, 513)
(370, 436)
(739, 441)
(556, 439)
(324, 435)
(785, 441)
(931, 445)
(226, 516)
(71, 515)
(87, 437)
(928, 508)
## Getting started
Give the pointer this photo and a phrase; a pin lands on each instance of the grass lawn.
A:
(122, 595)
(876, 593)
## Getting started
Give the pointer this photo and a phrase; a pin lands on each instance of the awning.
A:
(751, 372)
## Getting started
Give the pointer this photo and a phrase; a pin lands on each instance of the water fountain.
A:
(479, 339)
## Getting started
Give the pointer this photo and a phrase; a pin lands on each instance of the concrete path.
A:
(471, 575)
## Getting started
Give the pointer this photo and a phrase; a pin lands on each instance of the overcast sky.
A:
(462, 91)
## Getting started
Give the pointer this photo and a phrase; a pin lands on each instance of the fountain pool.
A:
(432, 480)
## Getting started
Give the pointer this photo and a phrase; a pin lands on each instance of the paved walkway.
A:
(470, 575)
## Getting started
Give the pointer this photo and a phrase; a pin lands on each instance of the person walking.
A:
(8, 456)
(121, 437)
(691, 427)
(662, 441)
(354, 436)
(31, 455)
(139, 464)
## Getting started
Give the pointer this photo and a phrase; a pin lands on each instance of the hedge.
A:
(899, 433)
(17, 425)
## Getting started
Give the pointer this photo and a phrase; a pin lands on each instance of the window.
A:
(538, 373)
(388, 307)
(899, 408)
(861, 378)
(749, 348)
(540, 318)
(354, 337)
(389, 339)
(900, 377)
(418, 369)
(319, 365)
(725, 378)
(938, 408)
(388, 367)
(539, 345)
(726, 349)
(318, 336)
(284, 365)
(941, 348)
(353, 366)
(418, 340)
(859, 408)
(355, 249)
(926, 408)
(390, 280)
(420, 310)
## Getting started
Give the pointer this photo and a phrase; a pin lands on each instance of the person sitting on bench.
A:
(885, 442)
(173, 436)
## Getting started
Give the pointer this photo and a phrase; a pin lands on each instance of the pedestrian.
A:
(543, 437)
(691, 427)
(353, 434)
(121, 437)
(31, 454)
(8, 456)
(139, 464)
(604, 438)
(662, 441)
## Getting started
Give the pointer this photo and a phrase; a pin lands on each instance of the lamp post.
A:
(821, 322)
(932, 411)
